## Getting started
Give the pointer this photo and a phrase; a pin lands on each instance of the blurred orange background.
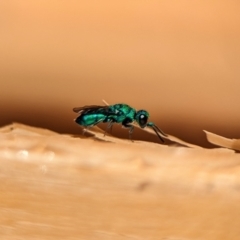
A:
(177, 59)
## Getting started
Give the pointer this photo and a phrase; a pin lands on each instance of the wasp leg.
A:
(126, 123)
(84, 130)
(109, 126)
(130, 132)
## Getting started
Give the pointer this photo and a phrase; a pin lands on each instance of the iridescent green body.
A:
(92, 115)
(117, 113)
(91, 119)
(121, 112)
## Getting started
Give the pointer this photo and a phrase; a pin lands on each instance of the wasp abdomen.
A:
(90, 119)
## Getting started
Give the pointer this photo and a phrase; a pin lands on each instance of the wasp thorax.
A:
(142, 118)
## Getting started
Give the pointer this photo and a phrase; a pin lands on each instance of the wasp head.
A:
(142, 118)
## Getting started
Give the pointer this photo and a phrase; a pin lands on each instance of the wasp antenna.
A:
(155, 130)
(164, 134)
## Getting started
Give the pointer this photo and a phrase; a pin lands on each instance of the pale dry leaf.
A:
(222, 141)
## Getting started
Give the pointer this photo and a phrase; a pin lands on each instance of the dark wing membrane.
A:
(86, 108)
(91, 109)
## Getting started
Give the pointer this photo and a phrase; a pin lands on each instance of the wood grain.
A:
(61, 187)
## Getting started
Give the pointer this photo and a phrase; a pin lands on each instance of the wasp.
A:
(117, 113)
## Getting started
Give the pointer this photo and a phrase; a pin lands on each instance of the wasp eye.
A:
(143, 120)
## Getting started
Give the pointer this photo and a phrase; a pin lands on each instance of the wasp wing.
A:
(94, 109)
(89, 109)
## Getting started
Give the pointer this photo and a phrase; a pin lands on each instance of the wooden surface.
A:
(61, 187)
(179, 60)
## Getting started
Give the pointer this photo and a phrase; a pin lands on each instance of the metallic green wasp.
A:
(117, 113)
